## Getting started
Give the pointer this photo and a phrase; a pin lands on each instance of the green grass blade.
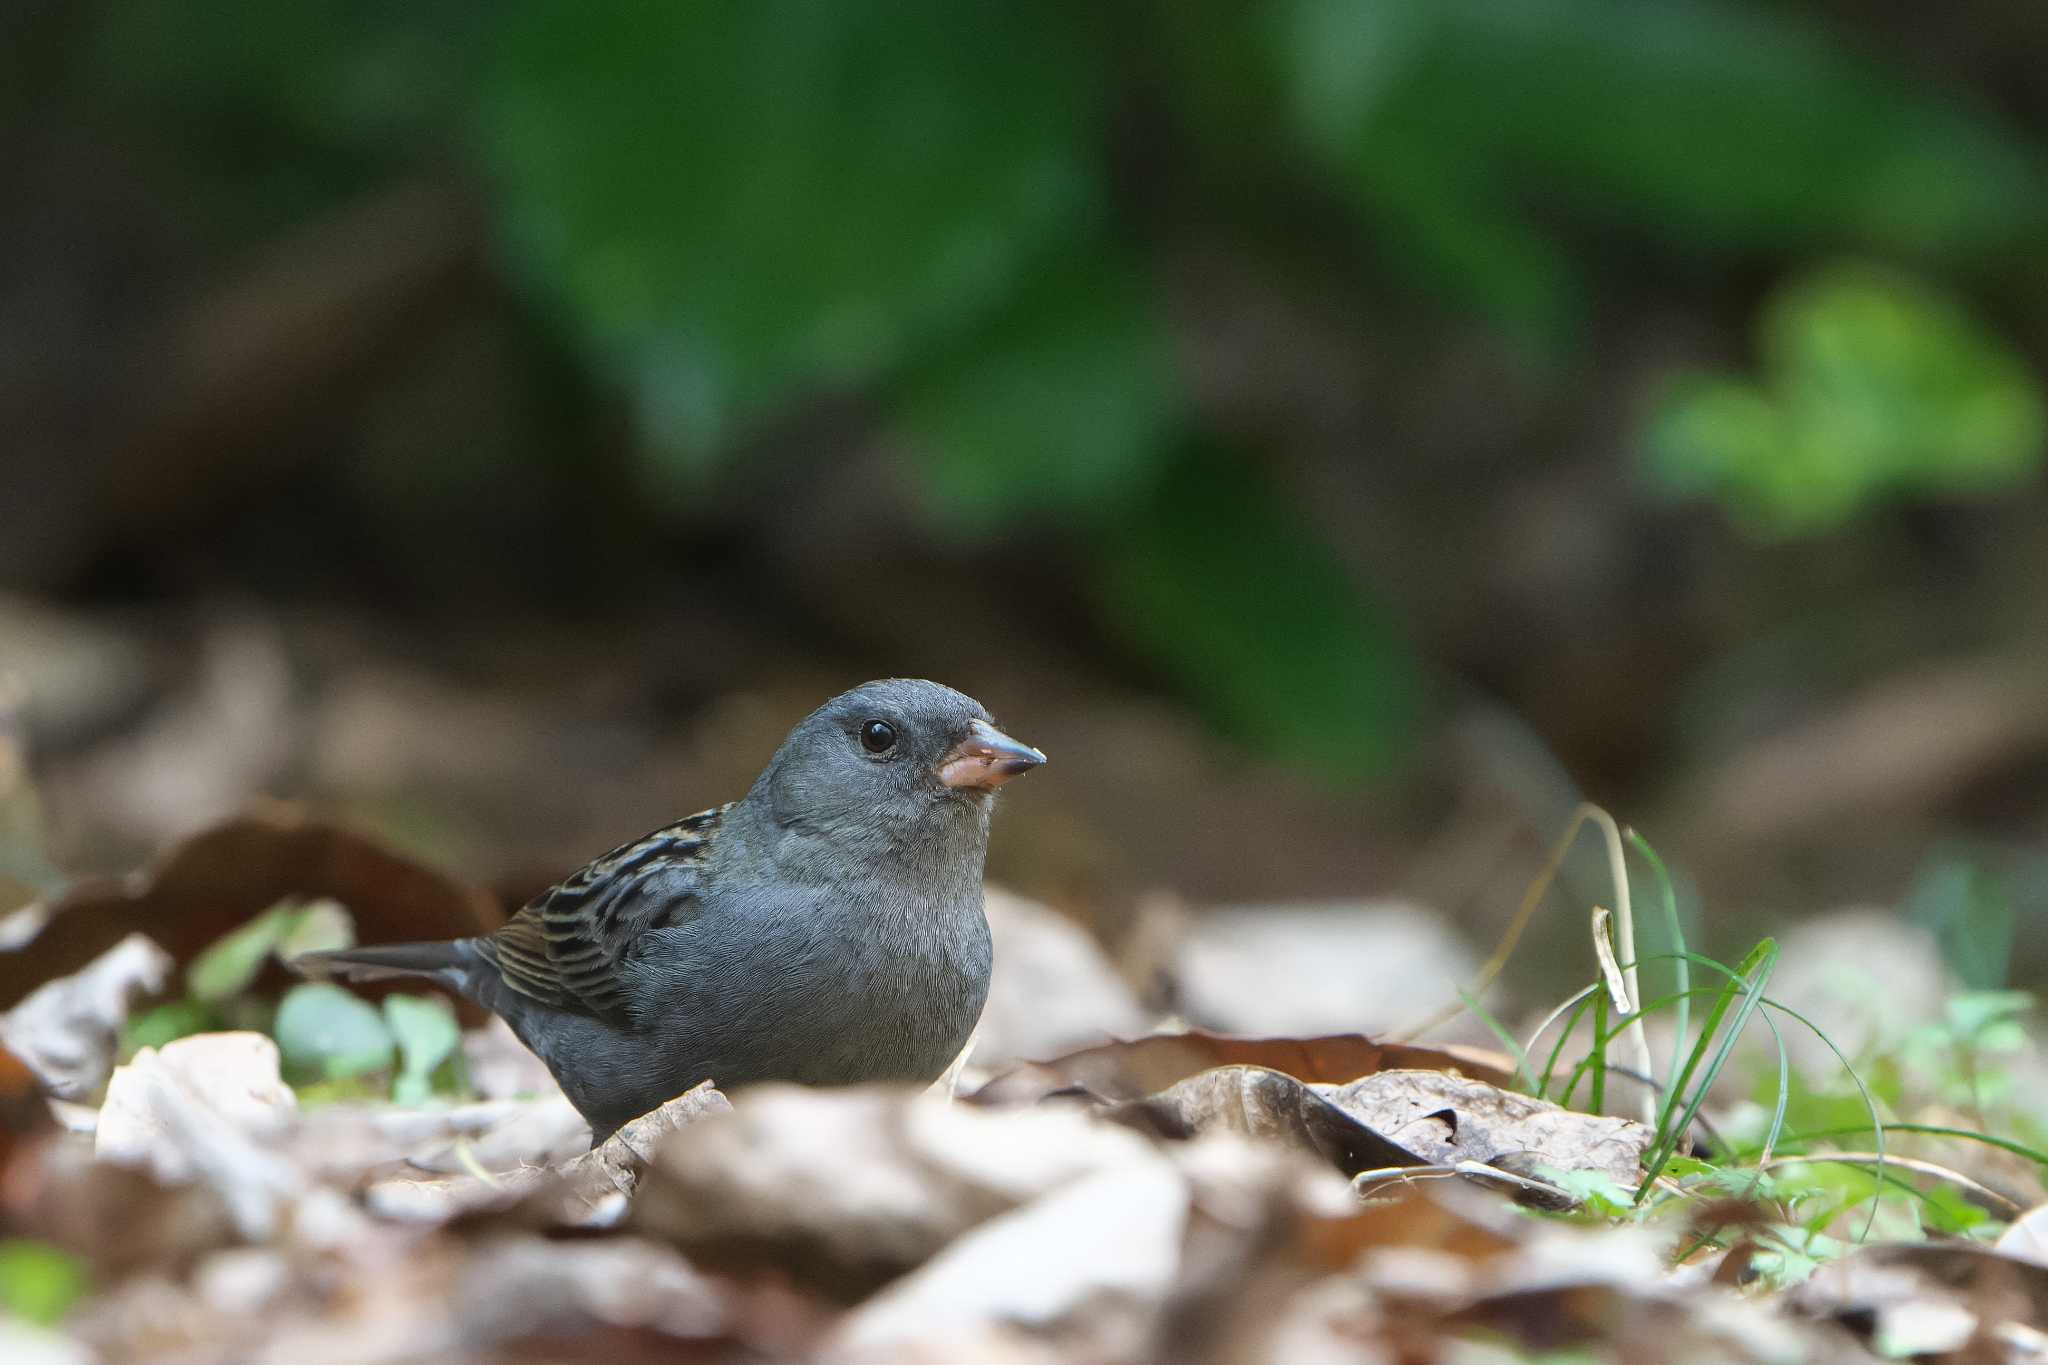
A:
(1507, 1040)
(1753, 973)
(1681, 964)
(1571, 1005)
(1598, 1100)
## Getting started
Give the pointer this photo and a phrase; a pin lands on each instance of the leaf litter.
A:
(362, 1182)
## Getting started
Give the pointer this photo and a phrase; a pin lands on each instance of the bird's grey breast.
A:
(822, 985)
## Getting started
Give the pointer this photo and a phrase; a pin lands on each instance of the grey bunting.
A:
(826, 928)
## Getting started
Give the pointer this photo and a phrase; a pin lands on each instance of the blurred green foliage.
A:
(38, 1282)
(1719, 125)
(733, 209)
(325, 1033)
(1219, 586)
(1872, 384)
(332, 1043)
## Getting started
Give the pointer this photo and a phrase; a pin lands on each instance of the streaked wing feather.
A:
(565, 946)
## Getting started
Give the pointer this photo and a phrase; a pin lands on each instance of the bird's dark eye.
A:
(878, 736)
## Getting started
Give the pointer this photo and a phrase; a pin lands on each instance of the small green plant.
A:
(333, 1044)
(1804, 1170)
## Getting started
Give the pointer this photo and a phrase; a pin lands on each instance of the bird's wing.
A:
(565, 947)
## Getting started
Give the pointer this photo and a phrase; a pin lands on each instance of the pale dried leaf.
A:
(1102, 1291)
(2026, 1237)
(1053, 989)
(212, 1108)
(533, 1287)
(1445, 1119)
(853, 1186)
(67, 1030)
(23, 1343)
(500, 1067)
(1307, 969)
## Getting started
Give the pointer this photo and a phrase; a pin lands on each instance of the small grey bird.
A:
(826, 928)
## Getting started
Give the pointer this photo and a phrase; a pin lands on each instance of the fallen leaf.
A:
(531, 1287)
(2026, 1237)
(214, 881)
(67, 1030)
(1445, 1119)
(1310, 969)
(1145, 1066)
(1267, 1105)
(1927, 1297)
(499, 1066)
(211, 1107)
(1053, 989)
(119, 1220)
(847, 1188)
(1102, 1293)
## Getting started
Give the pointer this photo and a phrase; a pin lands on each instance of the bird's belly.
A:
(818, 1013)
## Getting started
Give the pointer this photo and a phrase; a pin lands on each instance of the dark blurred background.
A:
(1344, 435)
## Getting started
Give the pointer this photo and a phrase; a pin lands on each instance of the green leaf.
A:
(232, 962)
(324, 1031)
(1966, 908)
(735, 202)
(1215, 582)
(316, 927)
(1065, 405)
(1717, 126)
(427, 1035)
(1974, 1014)
(166, 1023)
(38, 1282)
(334, 71)
(1599, 1192)
(1873, 385)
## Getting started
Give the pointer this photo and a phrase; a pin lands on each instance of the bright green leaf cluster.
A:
(38, 1282)
(1872, 385)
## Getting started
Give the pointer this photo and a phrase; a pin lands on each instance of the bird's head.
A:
(894, 766)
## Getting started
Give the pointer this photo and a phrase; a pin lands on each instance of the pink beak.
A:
(986, 759)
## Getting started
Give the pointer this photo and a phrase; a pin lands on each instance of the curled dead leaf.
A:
(1266, 1105)
(1448, 1119)
(204, 886)
(1144, 1066)
(67, 1029)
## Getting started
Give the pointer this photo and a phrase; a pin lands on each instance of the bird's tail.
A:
(445, 960)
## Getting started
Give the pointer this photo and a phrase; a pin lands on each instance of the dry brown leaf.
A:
(1928, 1298)
(1447, 1119)
(1091, 1263)
(119, 1221)
(1413, 1219)
(202, 887)
(1266, 1105)
(846, 1189)
(528, 1287)
(1145, 1066)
